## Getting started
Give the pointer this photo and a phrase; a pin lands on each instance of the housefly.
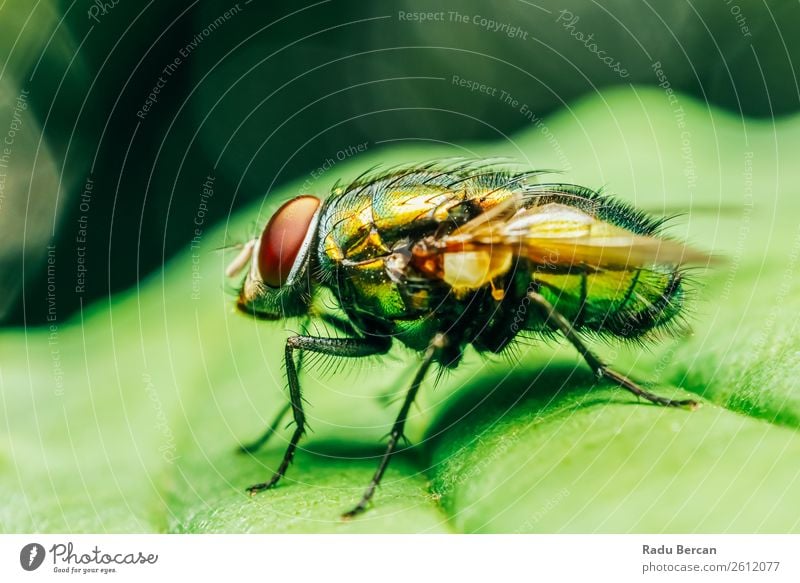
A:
(440, 256)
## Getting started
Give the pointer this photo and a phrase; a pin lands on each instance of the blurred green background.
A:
(266, 92)
(127, 379)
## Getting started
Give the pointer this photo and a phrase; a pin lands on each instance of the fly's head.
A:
(277, 284)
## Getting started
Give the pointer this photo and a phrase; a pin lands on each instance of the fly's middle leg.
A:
(437, 344)
(343, 347)
(558, 322)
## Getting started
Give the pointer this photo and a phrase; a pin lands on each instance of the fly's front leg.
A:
(254, 446)
(273, 427)
(344, 347)
(439, 341)
(558, 322)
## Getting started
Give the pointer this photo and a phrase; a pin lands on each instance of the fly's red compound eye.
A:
(283, 237)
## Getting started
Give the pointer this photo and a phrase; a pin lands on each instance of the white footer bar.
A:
(400, 558)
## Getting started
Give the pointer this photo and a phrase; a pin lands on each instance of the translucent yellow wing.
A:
(566, 238)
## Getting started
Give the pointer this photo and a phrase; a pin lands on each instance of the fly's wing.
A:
(565, 238)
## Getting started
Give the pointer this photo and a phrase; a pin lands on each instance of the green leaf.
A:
(127, 417)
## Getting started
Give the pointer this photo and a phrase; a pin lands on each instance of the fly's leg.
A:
(344, 347)
(273, 427)
(254, 446)
(558, 322)
(438, 342)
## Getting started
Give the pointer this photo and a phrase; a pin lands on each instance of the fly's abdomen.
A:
(621, 303)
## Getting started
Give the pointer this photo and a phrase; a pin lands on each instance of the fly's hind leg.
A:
(558, 322)
(343, 347)
(439, 341)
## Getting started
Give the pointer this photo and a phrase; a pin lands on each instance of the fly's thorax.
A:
(368, 221)
(375, 246)
(386, 289)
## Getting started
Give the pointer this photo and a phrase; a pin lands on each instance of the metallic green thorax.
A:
(366, 230)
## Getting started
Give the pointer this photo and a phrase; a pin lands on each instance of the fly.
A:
(445, 255)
